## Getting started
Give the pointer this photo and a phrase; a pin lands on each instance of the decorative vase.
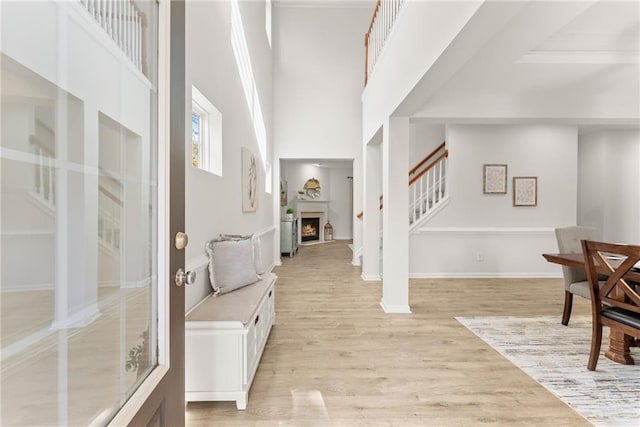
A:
(289, 216)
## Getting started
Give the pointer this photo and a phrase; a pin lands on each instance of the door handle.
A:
(183, 277)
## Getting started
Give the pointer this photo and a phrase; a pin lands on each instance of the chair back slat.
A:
(615, 261)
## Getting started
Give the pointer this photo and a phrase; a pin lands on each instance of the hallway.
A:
(335, 358)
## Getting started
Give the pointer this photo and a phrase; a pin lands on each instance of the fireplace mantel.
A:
(301, 206)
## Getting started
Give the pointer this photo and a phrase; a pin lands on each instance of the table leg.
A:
(619, 348)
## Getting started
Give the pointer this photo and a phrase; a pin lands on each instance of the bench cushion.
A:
(238, 306)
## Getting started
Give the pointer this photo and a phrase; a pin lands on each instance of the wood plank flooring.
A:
(334, 358)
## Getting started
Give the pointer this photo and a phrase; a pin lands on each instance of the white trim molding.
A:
(483, 231)
(495, 275)
(264, 231)
(395, 309)
(371, 277)
(78, 319)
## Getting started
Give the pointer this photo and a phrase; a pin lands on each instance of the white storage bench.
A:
(224, 340)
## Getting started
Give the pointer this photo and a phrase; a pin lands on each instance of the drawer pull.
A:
(270, 294)
(256, 322)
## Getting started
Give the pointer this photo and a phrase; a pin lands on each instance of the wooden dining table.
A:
(619, 342)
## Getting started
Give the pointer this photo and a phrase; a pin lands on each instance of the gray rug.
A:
(556, 357)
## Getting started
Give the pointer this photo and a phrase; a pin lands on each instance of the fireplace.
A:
(310, 229)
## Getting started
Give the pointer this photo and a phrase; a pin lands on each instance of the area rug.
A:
(556, 357)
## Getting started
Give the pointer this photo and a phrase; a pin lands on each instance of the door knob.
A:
(183, 277)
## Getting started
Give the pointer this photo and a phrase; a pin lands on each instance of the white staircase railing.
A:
(427, 186)
(44, 188)
(125, 23)
(428, 189)
(109, 210)
(44, 192)
(384, 16)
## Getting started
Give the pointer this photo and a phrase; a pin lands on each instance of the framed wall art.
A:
(494, 179)
(525, 191)
(283, 193)
(249, 181)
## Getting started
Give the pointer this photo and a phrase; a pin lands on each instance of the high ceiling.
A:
(572, 62)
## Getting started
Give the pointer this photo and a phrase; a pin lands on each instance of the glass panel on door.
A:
(78, 208)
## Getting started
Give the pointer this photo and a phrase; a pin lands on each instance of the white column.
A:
(76, 217)
(395, 220)
(357, 206)
(371, 190)
(276, 210)
(85, 138)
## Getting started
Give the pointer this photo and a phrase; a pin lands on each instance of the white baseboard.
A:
(28, 287)
(371, 277)
(496, 275)
(357, 254)
(395, 309)
(78, 319)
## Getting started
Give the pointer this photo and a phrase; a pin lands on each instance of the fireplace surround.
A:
(312, 209)
(310, 229)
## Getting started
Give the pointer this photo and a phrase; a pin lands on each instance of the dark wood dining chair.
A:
(615, 304)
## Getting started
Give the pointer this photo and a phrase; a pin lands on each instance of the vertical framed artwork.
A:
(525, 191)
(249, 181)
(283, 193)
(494, 179)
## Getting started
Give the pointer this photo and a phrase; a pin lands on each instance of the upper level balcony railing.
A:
(384, 16)
(126, 24)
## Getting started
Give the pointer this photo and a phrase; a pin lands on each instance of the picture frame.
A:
(525, 191)
(283, 193)
(494, 179)
(249, 181)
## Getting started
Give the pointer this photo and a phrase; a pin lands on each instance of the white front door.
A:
(92, 324)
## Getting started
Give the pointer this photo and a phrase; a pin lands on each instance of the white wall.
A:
(297, 173)
(609, 184)
(341, 208)
(213, 203)
(485, 235)
(318, 81)
(425, 137)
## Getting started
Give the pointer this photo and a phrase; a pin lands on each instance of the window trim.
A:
(210, 150)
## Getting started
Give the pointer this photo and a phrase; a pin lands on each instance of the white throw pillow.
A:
(257, 250)
(231, 264)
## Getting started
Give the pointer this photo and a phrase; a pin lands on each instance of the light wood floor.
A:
(334, 358)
